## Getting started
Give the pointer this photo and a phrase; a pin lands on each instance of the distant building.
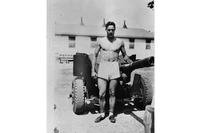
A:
(83, 38)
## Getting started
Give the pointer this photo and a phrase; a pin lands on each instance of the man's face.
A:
(110, 31)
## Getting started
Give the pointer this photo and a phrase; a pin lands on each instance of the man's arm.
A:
(126, 58)
(96, 52)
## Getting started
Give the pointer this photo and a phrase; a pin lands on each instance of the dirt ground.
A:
(65, 121)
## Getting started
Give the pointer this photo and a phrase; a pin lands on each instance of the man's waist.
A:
(109, 60)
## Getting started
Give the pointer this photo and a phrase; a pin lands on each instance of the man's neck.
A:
(111, 39)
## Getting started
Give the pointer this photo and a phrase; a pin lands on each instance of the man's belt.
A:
(110, 60)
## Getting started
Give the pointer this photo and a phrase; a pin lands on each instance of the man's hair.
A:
(110, 23)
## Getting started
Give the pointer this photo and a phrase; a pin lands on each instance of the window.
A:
(72, 44)
(148, 43)
(131, 43)
(72, 40)
(93, 40)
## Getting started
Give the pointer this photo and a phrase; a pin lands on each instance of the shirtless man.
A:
(108, 72)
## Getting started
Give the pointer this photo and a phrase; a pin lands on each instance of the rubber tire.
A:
(144, 81)
(147, 91)
(147, 86)
(78, 97)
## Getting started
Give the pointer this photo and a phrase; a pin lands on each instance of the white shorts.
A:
(108, 70)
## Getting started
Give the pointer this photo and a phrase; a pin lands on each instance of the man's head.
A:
(110, 29)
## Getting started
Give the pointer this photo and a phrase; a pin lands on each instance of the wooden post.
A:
(149, 119)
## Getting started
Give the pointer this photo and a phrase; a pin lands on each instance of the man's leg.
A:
(112, 87)
(102, 84)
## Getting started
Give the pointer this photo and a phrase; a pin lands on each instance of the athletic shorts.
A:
(108, 70)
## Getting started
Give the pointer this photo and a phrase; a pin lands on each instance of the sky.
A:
(135, 12)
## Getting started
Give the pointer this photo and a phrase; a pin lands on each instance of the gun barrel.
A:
(146, 62)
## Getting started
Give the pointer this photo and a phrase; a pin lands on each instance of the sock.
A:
(102, 114)
(111, 113)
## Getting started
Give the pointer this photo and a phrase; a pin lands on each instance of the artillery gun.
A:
(135, 86)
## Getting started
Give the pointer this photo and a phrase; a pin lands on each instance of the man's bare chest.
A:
(111, 46)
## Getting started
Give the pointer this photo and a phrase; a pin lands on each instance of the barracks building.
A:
(83, 38)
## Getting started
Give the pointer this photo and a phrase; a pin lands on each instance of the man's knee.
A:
(112, 92)
(102, 94)
(102, 88)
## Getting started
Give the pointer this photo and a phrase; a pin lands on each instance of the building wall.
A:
(139, 48)
(83, 45)
(128, 51)
(150, 52)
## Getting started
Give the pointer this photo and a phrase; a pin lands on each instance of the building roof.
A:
(84, 30)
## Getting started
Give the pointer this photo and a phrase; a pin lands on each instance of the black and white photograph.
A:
(100, 66)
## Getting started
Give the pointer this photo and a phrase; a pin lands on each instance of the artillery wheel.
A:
(144, 86)
(147, 91)
(78, 97)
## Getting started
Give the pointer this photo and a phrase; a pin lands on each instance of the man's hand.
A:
(96, 67)
(95, 75)
(95, 70)
(128, 60)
